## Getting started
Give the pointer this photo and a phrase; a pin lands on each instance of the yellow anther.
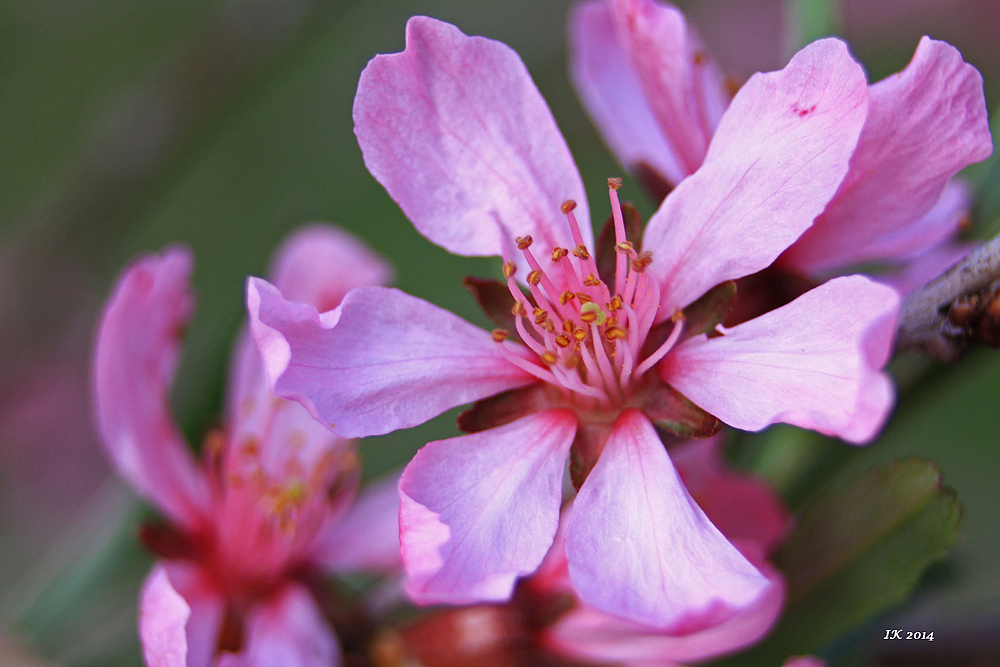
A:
(296, 492)
(568, 326)
(572, 361)
(519, 308)
(614, 183)
(566, 297)
(583, 298)
(580, 334)
(549, 357)
(581, 252)
(509, 269)
(539, 315)
(500, 335)
(615, 303)
(550, 326)
(591, 312)
(251, 447)
(625, 247)
(562, 340)
(678, 316)
(534, 277)
(592, 281)
(614, 332)
(568, 206)
(559, 253)
(640, 263)
(523, 242)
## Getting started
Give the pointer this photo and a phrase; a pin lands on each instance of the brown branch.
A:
(944, 316)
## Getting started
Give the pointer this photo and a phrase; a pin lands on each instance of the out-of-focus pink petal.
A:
(367, 537)
(290, 631)
(940, 224)
(924, 125)
(316, 265)
(927, 267)
(682, 87)
(179, 617)
(454, 128)
(480, 510)
(639, 547)
(383, 360)
(138, 346)
(606, 82)
(813, 363)
(588, 634)
(775, 161)
(742, 506)
(804, 661)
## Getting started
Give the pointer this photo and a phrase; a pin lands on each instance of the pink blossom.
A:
(654, 92)
(456, 131)
(272, 499)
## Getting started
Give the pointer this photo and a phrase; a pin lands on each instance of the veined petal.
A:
(924, 125)
(682, 86)
(383, 360)
(639, 547)
(588, 634)
(138, 346)
(179, 617)
(367, 537)
(775, 161)
(455, 130)
(612, 94)
(316, 265)
(480, 510)
(288, 630)
(813, 363)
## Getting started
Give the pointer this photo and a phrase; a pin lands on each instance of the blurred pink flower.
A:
(456, 131)
(272, 500)
(654, 92)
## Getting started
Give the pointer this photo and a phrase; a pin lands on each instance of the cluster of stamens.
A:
(587, 335)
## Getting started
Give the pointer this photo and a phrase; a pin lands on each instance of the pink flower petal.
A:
(941, 223)
(454, 128)
(138, 346)
(316, 265)
(480, 510)
(924, 125)
(367, 537)
(775, 161)
(179, 617)
(382, 361)
(607, 83)
(804, 661)
(742, 506)
(813, 363)
(588, 634)
(640, 548)
(927, 267)
(290, 631)
(682, 87)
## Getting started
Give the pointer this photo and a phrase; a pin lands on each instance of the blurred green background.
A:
(127, 126)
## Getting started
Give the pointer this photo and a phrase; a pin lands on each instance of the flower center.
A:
(587, 335)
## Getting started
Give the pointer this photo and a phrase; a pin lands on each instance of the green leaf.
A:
(857, 549)
(813, 19)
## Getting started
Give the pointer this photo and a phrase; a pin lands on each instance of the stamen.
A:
(566, 297)
(549, 357)
(558, 253)
(614, 183)
(615, 332)
(607, 370)
(539, 315)
(562, 340)
(509, 269)
(519, 308)
(592, 281)
(621, 260)
(651, 360)
(581, 252)
(500, 335)
(523, 242)
(534, 277)
(525, 365)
